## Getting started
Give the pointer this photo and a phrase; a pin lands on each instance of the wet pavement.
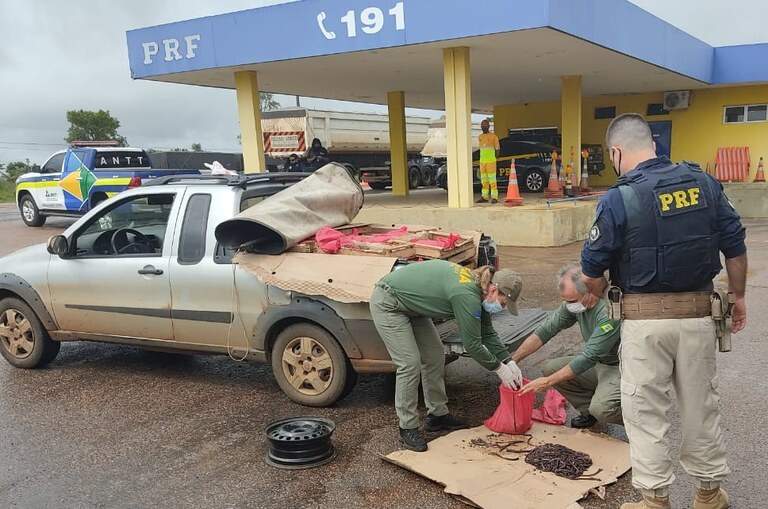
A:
(109, 426)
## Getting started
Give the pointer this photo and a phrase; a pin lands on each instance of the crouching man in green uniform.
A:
(403, 305)
(590, 381)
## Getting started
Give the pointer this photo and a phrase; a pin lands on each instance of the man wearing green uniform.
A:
(403, 305)
(590, 381)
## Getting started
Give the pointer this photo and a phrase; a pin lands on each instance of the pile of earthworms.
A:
(562, 461)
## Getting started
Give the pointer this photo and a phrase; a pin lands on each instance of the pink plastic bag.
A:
(514, 412)
(552, 411)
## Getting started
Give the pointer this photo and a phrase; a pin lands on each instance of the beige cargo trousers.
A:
(658, 357)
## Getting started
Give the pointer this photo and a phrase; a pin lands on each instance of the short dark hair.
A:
(629, 131)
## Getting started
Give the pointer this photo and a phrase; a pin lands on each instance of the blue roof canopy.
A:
(317, 28)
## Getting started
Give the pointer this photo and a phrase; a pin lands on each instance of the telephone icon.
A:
(321, 23)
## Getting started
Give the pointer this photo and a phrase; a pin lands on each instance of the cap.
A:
(509, 283)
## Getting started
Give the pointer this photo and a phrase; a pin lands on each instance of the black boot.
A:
(583, 421)
(445, 422)
(413, 439)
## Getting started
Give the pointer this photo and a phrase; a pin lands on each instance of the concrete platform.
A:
(751, 200)
(533, 224)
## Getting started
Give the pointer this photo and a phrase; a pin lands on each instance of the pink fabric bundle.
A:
(441, 242)
(331, 241)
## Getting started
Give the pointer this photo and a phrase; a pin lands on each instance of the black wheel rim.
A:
(534, 181)
(300, 442)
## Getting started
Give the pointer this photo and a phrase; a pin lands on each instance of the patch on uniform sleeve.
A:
(478, 314)
(606, 326)
(594, 233)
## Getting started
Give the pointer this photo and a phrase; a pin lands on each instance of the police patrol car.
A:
(73, 181)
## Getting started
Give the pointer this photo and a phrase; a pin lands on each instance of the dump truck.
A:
(359, 141)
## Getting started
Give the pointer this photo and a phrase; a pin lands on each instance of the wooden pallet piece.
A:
(437, 252)
(392, 249)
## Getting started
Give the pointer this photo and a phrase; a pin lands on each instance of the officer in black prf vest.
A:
(660, 232)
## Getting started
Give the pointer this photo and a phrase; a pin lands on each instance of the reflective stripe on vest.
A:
(488, 155)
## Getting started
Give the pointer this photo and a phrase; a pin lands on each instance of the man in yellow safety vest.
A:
(489, 144)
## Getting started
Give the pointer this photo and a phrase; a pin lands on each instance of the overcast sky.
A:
(60, 55)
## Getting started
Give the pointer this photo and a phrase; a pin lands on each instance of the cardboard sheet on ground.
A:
(343, 278)
(472, 472)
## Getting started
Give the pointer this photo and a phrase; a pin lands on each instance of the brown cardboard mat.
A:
(469, 470)
(342, 278)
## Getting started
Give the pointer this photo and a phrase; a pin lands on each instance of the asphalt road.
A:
(109, 426)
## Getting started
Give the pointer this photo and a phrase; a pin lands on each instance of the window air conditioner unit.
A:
(678, 100)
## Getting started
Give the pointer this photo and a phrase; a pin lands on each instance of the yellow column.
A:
(458, 123)
(249, 112)
(397, 142)
(570, 105)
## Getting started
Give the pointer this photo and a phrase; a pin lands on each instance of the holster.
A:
(722, 305)
(614, 300)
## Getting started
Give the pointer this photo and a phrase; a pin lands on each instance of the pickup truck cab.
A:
(73, 181)
(144, 268)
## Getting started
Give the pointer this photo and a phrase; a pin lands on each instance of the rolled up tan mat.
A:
(329, 197)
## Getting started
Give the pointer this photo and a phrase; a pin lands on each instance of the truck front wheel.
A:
(310, 366)
(30, 214)
(414, 178)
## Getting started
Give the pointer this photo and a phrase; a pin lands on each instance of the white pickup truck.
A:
(144, 268)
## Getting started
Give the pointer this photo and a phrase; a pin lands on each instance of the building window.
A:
(757, 113)
(745, 113)
(656, 109)
(605, 112)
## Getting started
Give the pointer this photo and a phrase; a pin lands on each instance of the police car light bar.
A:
(102, 143)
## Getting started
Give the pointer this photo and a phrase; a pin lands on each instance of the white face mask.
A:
(575, 307)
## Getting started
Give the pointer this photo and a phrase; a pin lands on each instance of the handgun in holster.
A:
(722, 306)
(614, 299)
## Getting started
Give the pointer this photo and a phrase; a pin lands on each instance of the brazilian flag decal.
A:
(606, 327)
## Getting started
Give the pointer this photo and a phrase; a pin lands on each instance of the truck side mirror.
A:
(58, 245)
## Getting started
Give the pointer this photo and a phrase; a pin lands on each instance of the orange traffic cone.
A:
(365, 185)
(584, 184)
(760, 176)
(513, 198)
(553, 186)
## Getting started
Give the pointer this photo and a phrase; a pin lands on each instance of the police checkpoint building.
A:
(533, 63)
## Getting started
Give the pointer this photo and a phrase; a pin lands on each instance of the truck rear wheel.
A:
(310, 366)
(535, 181)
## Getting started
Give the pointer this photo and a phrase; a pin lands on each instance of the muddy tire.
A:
(24, 342)
(310, 366)
(30, 214)
(414, 178)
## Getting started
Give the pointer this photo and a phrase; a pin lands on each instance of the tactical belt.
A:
(664, 306)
